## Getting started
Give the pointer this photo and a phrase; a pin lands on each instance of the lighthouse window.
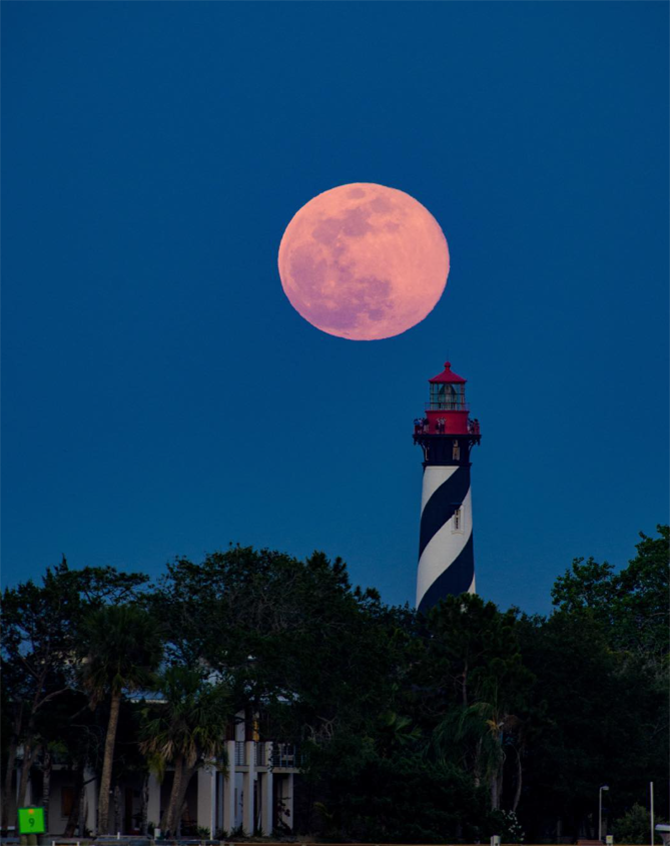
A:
(448, 396)
(456, 452)
(457, 520)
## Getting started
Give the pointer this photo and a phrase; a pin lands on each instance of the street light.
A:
(600, 810)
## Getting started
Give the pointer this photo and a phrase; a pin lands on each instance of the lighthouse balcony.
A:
(426, 430)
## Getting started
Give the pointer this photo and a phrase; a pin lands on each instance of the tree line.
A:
(447, 727)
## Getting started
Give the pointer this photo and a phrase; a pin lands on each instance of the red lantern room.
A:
(447, 412)
(446, 433)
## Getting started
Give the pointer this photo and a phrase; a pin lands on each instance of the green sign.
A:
(31, 821)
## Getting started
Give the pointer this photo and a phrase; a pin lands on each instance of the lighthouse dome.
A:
(447, 375)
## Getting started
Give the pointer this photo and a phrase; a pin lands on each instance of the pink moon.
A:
(363, 262)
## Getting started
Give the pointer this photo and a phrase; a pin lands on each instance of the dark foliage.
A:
(411, 729)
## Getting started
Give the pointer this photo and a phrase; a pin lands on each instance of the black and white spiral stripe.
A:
(446, 559)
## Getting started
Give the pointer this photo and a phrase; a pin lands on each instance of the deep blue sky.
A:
(161, 396)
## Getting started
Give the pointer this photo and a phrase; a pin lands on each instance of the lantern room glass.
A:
(447, 396)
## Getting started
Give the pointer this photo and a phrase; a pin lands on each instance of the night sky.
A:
(161, 395)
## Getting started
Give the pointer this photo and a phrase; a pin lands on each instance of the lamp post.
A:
(600, 810)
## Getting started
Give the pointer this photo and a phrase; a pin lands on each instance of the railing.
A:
(424, 428)
(267, 755)
(284, 755)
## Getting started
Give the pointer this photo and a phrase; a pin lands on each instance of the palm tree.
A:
(185, 729)
(477, 735)
(124, 649)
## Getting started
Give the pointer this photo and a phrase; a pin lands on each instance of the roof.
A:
(447, 375)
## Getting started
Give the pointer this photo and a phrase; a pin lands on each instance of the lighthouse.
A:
(446, 435)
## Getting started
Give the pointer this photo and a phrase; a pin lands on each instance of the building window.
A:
(458, 521)
(66, 801)
(456, 451)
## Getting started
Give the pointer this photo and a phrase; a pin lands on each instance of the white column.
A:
(91, 801)
(229, 789)
(248, 806)
(206, 797)
(267, 793)
(154, 801)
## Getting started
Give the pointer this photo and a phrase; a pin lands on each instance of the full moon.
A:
(363, 261)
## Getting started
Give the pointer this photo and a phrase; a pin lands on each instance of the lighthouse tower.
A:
(446, 435)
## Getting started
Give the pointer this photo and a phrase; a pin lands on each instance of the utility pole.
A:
(651, 811)
(600, 810)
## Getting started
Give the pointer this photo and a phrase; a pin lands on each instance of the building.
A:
(252, 793)
(446, 435)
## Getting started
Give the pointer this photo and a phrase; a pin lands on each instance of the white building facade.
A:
(248, 791)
